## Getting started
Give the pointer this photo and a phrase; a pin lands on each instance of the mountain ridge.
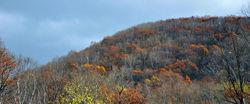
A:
(148, 35)
(160, 62)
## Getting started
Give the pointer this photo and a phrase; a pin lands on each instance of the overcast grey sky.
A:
(44, 29)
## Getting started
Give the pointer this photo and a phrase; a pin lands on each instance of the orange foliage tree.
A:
(203, 48)
(115, 55)
(182, 64)
(122, 95)
(129, 96)
(134, 48)
(168, 73)
(95, 68)
(7, 65)
(145, 31)
(136, 72)
(216, 49)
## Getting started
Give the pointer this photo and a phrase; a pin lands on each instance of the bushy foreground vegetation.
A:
(192, 60)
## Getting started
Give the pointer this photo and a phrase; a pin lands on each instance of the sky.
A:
(45, 29)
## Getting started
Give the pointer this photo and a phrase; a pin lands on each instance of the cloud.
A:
(60, 24)
(10, 23)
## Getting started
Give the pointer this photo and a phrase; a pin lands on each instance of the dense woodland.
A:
(196, 60)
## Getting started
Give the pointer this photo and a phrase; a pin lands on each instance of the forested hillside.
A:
(196, 60)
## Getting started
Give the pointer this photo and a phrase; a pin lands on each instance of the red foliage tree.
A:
(187, 79)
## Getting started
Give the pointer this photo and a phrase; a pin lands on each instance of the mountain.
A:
(152, 63)
(188, 41)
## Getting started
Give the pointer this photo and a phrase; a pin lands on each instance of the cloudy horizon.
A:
(44, 29)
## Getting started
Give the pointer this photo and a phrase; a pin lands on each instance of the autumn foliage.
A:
(123, 95)
(129, 96)
(145, 31)
(174, 61)
(203, 48)
(7, 64)
(134, 48)
(136, 72)
(95, 68)
(183, 64)
(115, 52)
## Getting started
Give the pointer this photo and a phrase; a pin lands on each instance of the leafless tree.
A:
(245, 10)
(234, 59)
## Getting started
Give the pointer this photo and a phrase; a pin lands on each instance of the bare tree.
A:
(245, 10)
(234, 58)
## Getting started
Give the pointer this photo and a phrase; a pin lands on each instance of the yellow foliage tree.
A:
(84, 90)
(231, 91)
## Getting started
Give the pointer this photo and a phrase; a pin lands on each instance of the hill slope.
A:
(189, 41)
(161, 62)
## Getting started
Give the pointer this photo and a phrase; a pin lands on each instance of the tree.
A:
(235, 65)
(234, 60)
(129, 96)
(83, 89)
(245, 10)
(7, 65)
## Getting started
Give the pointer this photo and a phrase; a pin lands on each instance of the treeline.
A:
(196, 60)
